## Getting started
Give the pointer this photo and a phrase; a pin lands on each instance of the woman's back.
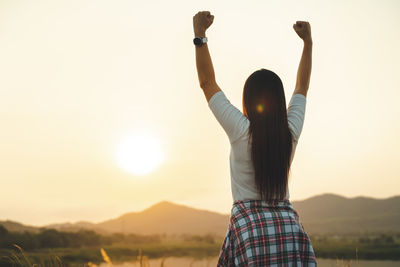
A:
(236, 126)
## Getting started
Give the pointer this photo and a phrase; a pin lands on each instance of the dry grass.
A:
(21, 259)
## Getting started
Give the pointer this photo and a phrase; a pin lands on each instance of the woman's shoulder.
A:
(232, 120)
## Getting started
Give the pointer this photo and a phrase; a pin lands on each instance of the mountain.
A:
(327, 213)
(18, 227)
(169, 218)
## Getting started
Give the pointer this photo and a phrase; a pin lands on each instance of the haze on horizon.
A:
(78, 76)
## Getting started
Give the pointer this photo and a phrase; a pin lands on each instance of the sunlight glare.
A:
(140, 153)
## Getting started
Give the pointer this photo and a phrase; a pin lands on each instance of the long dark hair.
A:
(264, 105)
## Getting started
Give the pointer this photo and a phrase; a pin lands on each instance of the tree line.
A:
(51, 238)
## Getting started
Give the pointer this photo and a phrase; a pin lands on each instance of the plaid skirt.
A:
(265, 234)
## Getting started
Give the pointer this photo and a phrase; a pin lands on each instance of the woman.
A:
(264, 228)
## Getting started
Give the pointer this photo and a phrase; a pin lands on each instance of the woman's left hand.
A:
(201, 21)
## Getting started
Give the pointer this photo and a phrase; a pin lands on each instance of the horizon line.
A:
(184, 205)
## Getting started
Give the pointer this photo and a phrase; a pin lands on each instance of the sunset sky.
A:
(79, 77)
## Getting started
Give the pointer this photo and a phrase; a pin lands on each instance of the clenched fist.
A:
(201, 21)
(303, 30)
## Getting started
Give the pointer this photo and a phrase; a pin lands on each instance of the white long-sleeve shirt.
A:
(236, 126)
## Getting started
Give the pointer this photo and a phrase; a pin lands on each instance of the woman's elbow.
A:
(207, 84)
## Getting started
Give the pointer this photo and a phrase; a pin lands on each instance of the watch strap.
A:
(202, 40)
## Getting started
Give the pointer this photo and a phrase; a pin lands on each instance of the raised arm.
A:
(303, 30)
(201, 21)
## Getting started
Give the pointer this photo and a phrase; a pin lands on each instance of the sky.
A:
(79, 77)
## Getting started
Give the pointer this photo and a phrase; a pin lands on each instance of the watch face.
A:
(197, 41)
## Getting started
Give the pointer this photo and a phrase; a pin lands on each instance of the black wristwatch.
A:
(199, 41)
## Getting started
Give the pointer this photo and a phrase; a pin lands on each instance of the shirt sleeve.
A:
(229, 117)
(295, 115)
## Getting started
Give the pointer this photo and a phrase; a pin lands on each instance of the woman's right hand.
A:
(303, 30)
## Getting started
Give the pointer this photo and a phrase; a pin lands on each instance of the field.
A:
(21, 259)
(53, 248)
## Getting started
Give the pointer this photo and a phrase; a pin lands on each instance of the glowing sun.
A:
(140, 153)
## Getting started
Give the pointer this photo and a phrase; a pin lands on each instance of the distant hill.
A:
(327, 213)
(169, 218)
(18, 227)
